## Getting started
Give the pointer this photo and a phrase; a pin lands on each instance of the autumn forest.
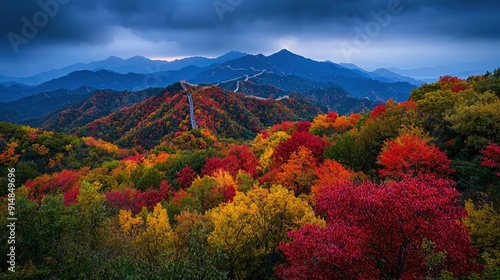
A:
(261, 189)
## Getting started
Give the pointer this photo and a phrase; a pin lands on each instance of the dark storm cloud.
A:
(459, 20)
(215, 26)
(90, 21)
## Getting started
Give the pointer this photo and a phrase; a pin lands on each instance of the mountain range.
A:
(136, 64)
(379, 85)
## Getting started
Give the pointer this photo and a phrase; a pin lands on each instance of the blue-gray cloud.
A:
(216, 26)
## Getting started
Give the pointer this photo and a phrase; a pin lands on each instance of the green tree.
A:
(476, 121)
(150, 179)
(348, 150)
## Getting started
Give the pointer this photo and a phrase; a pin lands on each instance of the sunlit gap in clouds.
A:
(169, 59)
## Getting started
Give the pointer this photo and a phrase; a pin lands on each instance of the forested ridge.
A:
(409, 190)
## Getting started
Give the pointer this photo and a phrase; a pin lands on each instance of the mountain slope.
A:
(11, 92)
(225, 113)
(264, 91)
(384, 74)
(99, 104)
(284, 64)
(293, 64)
(40, 104)
(338, 100)
(327, 99)
(288, 83)
(102, 79)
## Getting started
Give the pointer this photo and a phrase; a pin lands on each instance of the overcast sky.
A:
(377, 33)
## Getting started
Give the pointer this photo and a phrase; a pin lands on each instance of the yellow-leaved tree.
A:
(321, 124)
(484, 224)
(8, 157)
(149, 234)
(250, 229)
(210, 191)
(263, 147)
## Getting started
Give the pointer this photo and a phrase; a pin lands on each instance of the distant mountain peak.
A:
(234, 53)
(138, 58)
(85, 71)
(231, 55)
(286, 53)
(113, 58)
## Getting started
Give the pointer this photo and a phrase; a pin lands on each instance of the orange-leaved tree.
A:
(298, 173)
(328, 173)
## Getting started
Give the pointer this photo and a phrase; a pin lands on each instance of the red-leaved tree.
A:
(491, 156)
(133, 200)
(185, 177)
(409, 155)
(56, 183)
(410, 229)
(452, 83)
(325, 253)
(238, 158)
(71, 196)
(285, 149)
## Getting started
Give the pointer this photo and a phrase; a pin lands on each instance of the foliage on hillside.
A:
(35, 151)
(99, 104)
(409, 190)
(223, 113)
